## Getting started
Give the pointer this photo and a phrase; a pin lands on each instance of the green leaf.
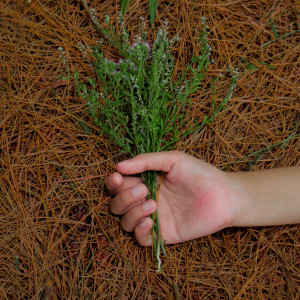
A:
(63, 76)
(281, 37)
(92, 82)
(152, 10)
(82, 124)
(76, 75)
(273, 27)
(250, 66)
(124, 4)
(85, 128)
(267, 64)
(274, 30)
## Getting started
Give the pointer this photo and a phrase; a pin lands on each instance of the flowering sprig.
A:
(139, 108)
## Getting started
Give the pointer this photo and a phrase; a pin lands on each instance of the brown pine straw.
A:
(58, 238)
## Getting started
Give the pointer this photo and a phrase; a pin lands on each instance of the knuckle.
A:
(117, 205)
(120, 203)
(144, 240)
(125, 226)
(130, 220)
(113, 207)
(176, 154)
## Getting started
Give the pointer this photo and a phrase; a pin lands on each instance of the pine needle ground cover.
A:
(58, 238)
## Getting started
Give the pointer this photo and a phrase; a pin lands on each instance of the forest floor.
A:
(58, 237)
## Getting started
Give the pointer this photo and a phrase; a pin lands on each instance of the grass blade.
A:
(124, 4)
(262, 151)
(266, 64)
(281, 37)
(273, 27)
(152, 10)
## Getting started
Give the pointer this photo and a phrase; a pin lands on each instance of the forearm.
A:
(268, 197)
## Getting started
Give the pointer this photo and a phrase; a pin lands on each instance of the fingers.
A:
(115, 183)
(143, 232)
(136, 214)
(128, 198)
(160, 161)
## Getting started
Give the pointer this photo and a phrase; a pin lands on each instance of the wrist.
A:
(267, 197)
(245, 206)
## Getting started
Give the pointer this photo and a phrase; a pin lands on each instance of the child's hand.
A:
(197, 199)
(194, 197)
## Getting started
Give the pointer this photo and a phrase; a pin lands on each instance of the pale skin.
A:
(197, 199)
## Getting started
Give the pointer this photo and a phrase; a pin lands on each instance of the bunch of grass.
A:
(140, 108)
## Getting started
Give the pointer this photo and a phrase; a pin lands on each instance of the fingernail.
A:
(137, 191)
(147, 205)
(144, 223)
(111, 182)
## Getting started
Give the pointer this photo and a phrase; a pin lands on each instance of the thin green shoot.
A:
(88, 265)
(124, 5)
(152, 10)
(273, 27)
(281, 37)
(259, 153)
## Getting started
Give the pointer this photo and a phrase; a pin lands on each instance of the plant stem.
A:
(94, 20)
(150, 180)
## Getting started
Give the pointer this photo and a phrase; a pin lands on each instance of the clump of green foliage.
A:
(139, 107)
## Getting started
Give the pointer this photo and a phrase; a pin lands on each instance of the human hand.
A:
(195, 198)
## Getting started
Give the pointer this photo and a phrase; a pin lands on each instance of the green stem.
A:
(280, 38)
(150, 180)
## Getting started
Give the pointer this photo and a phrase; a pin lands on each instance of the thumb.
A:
(156, 161)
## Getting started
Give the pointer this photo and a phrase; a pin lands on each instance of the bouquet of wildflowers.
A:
(135, 103)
